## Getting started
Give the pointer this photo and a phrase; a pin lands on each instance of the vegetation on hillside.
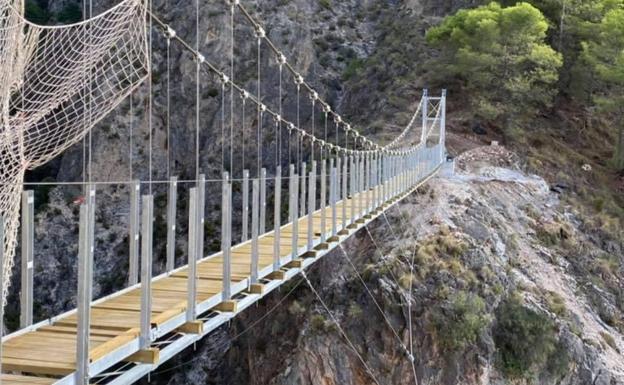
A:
(547, 76)
(501, 58)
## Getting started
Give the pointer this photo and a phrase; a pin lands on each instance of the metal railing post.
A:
(332, 194)
(226, 229)
(245, 231)
(295, 214)
(345, 191)
(172, 199)
(133, 236)
(145, 338)
(311, 206)
(323, 203)
(353, 191)
(191, 289)
(368, 183)
(255, 193)
(302, 190)
(277, 221)
(201, 205)
(86, 248)
(425, 115)
(443, 124)
(361, 180)
(262, 227)
(338, 179)
(28, 235)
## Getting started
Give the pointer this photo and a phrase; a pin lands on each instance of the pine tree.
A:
(501, 57)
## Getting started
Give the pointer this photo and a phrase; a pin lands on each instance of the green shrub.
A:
(317, 323)
(556, 304)
(527, 341)
(461, 322)
(325, 4)
(353, 68)
(296, 309)
(355, 311)
(608, 338)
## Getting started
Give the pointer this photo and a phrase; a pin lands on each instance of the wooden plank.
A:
(14, 379)
(193, 327)
(146, 356)
(72, 330)
(108, 319)
(180, 285)
(117, 342)
(37, 366)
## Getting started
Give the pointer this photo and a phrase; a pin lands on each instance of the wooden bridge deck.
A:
(48, 350)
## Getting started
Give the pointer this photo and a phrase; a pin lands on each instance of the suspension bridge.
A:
(58, 82)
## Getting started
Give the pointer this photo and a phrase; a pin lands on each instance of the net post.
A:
(145, 338)
(86, 248)
(254, 230)
(133, 237)
(28, 233)
(171, 222)
(245, 231)
(191, 285)
(277, 221)
(262, 228)
(226, 244)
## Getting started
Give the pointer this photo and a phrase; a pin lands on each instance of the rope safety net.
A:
(56, 83)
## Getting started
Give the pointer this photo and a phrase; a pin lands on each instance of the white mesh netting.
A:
(55, 84)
